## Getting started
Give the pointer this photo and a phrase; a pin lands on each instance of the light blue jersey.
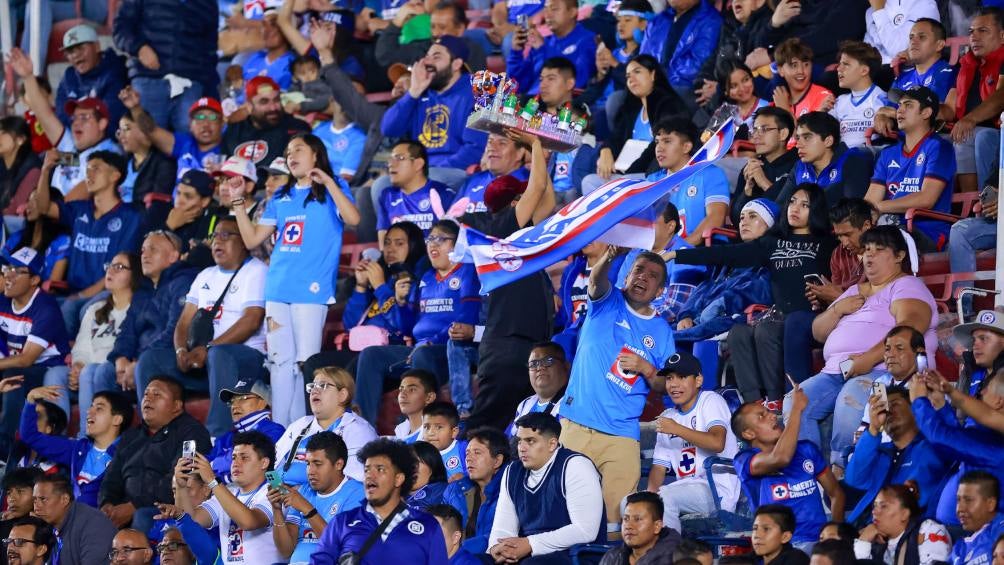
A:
(346, 496)
(345, 146)
(693, 196)
(455, 458)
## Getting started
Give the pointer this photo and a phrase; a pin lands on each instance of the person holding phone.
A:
(569, 39)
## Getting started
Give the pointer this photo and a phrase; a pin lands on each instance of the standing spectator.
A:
(857, 68)
(551, 499)
(309, 216)
(476, 496)
(275, 59)
(390, 470)
(92, 72)
(32, 335)
(646, 539)
(548, 370)
(412, 197)
(172, 54)
(150, 174)
(233, 294)
(344, 140)
(249, 409)
(193, 217)
(766, 174)
(898, 529)
(19, 166)
(682, 38)
(977, 507)
(916, 172)
(85, 534)
(569, 39)
(888, 26)
(31, 542)
(446, 18)
(267, 130)
(140, 472)
(796, 92)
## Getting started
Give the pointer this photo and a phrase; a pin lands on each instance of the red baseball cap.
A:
(259, 84)
(208, 103)
(502, 191)
(87, 103)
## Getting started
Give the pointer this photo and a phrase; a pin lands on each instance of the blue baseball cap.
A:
(25, 257)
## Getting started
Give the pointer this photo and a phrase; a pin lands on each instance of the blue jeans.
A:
(13, 401)
(94, 378)
(966, 238)
(798, 344)
(829, 395)
(169, 113)
(379, 362)
(978, 154)
(461, 356)
(225, 364)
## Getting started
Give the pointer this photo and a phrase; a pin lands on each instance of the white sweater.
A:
(94, 340)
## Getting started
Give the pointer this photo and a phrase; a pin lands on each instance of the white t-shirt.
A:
(687, 460)
(856, 112)
(64, 178)
(247, 290)
(237, 545)
(403, 432)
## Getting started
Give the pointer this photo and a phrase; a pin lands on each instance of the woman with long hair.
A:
(430, 481)
(46, 236)
(310, 215)
(19, 167)
(738, 83)
(898, 531)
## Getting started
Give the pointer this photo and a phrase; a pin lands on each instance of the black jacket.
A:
(778, 171)
(183, 34)
(661, 552)
(141, 470)
(823, 25)
(151, 318)
(261, 145)
(661, 103)
(151, 194)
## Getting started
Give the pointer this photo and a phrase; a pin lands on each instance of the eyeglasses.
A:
(760, 130)
(18, 542)
(82, 117)
(201, 117)
(164, 547)
(438, 239)
(243, 398)
(400, 158)
(224, 235)
(537, 364)
(124, 552)
(117, 267)
(320, 387)
(12, 271)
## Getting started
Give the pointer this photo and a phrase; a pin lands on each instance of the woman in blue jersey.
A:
(430, 480)
(309, 215)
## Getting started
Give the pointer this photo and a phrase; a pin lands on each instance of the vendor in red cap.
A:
(264, 134)
(199, 149)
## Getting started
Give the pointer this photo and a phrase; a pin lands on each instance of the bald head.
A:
(130, 547)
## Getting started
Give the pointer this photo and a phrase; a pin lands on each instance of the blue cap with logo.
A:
(25, 257)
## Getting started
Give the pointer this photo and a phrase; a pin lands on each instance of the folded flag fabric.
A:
(621, 212)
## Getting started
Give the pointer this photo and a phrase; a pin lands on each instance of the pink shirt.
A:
(858, 332)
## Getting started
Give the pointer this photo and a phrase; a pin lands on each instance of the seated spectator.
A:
(891, 451)
(344, 140)
(330, 402)
(176, 548)
(140, 472)
(85, 534)
(739, 92)
(440, 427)
(390, 470)
(130, 547)
(568, 39)
(823, 159)
(450, 522)
(193, 217)
(858, 65)
(276, 57)
(983, 340)
(149, 323)
(696, 550)
(891, 296)
(48, 237)
(978, 510)
(20, 167)
(557, 84)
(971, 104)
(232, 293)
(248, 401)
(412, 197)
(927, 68)
(416, 391)
(267, 130)
(918, 171)
(803, 226)
(692, 430)
(969, 236)
(150, 174)
(504, 157)
(476, 495)
(851, 218)
(765, 175)
(971, 408)
(548, 368)
(18, 484)
(775, 449)
(899, 529)
(735, 45)
(434, 113)
(693, 26)
(430, 479)
(537, 513)
(241, 509)
(774, 528)
(109, 415)
(840, 531)
(644, 533)
(34, 340)
(797, 93)
(31, 542)
(198, 148)
(632, 19)
(445, 18)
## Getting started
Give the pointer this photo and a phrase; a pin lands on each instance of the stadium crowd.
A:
(259, 203)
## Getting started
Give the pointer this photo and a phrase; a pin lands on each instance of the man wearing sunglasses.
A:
(30, 542)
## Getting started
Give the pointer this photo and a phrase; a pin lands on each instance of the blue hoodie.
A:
(260, 421)
(698, 41)
(456, 496)
(104, 81)
(439, 122)
(579, 47)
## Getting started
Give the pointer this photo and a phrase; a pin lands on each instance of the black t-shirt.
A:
(523, 308)
(260, 146)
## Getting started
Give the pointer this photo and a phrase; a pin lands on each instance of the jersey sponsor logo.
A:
(89, 244)
(436, 127)
(292, 233)
(623, 379)
(779, 491)
(809, 467)
(687, 464)
(114, 225)
(253, 151)
(396, 202)
(416, 528)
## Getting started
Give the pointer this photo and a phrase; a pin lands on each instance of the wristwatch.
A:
(311, 514)
(213, 484)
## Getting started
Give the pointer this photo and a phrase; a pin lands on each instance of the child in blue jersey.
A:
(918, 171)
(825, 160)
(777, 468)
(302, 514)
(976, 506)
(773, 529)
(309, 217)
(430, 480)
(416, 391)
(344, 141)
(440, 427)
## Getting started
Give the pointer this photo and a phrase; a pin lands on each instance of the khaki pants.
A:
(618, 460)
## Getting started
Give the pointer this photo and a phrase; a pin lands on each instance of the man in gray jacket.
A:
(646, 540)
(85, 534)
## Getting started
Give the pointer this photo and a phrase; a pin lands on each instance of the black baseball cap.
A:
(681, 363)
(199, 180)
(925, 96)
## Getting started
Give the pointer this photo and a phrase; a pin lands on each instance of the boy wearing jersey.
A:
(776, 468)
(798, 95)
(412, 196)
(305, 512)
(918, 171)
(344, 140)
(241, 509)
(977, 500)
(440, 427)
(856, 110)
(416, 391)
(824, 160)
(693, 429)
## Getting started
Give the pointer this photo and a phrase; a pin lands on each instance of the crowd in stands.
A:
(262, 203)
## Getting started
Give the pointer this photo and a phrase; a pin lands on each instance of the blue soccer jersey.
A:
(186, 151)
(903, 173)
(40, 322)
(443, 300)
(977, 549)
(305, 259)
(471, 197)
(794, 486)
(97, 240)
(278, 70)
(412, 537)
(455, 458)
(692, 197)
(601, 395)
(940, 78)
(345, 146)
(346, 496)
(422, 207)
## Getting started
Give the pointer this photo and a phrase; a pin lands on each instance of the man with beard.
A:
(263, 135)
(30, 542)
